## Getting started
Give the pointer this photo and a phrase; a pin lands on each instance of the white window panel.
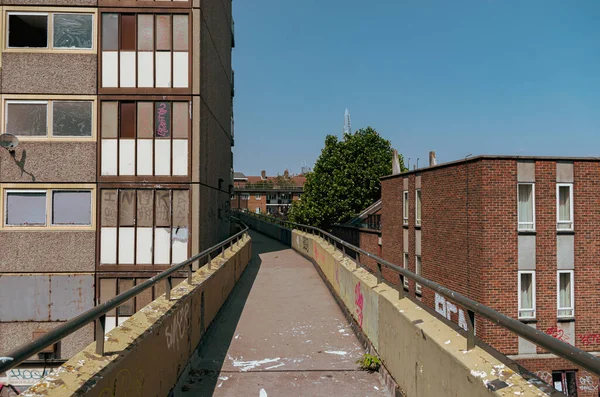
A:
(127, 69)
(108, 242)
(180, 157)
(162, 157)
(144, 156)
(180, 244)
(162, 244)
(111, 323)
(163, 68)
(122, 319)
(526, 206)
(526, 294)
(144, 246)
(564, 206)
(126, 244)
(109, 157)
(566, 294)
(127, 157)
(110, 68)
(145, 69)
(180, 69)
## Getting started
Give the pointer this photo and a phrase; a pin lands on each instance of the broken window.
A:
(26, 118)
(73, 30)
(72, 118)
(71, 207)
(27, 30)
(25, 208)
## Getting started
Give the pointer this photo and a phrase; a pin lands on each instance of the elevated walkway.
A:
(280, 333)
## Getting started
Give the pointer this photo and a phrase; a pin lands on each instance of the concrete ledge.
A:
(424, 356)
(147, 353)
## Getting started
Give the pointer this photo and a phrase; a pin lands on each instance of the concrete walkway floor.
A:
(280, 333)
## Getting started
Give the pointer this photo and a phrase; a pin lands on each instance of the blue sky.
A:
(463, 76)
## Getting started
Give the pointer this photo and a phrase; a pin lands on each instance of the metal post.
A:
(379, 275)
(470, 330)
(401, 292)
(209, 262)
(100, 329)
(168, 285)
(223, 251)
(343, 250)
(189, 274)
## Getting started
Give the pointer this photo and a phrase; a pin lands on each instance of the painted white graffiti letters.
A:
(176, 330)
(446, 308)
(586, 383)
(545, 376)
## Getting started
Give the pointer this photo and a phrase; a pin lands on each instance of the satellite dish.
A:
(8, 141)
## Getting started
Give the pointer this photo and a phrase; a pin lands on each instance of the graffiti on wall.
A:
(125, 384)
(24, 376)
(176, 330)
(446, 308)
(558, 333)
(359, 302)
(589, 339)
(545, 376)
(586, 383)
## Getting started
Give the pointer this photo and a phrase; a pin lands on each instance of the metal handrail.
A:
(98, 313)
(575, 355)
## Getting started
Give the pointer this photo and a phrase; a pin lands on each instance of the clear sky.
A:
(515, 77)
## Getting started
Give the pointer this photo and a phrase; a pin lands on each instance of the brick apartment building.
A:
(266, 194)
(518, 234)
(123, 110)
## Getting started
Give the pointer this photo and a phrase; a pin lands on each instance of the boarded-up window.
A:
(25, 208)
(127, 129)
(110, 32)
(127, 208)
(163, 208)
(72, 118)
(145, 32)
(163, 119)
(144, 208)
(128, 32)
(27, 30)
(181, 205)
(71, 207)
(109, 208)
(163, 32)
(127, 308)
(73, 30)
(26, 118)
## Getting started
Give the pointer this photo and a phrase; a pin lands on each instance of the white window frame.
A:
(521, 309)
(27, 102)
(51, 207)
(571, 212)
(405, 210)
(406, 258)
(49, 35)
(5, 194)
(257, 196)
(418, 203)
(572, 307)
(418, 272)
(519, 223)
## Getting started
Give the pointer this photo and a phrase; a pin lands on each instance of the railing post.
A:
(168, 286)
(379, 275)
(343, 250)
(223, 251)
(189, 274)
(470, 329)
(100, 329)
(401, 292)
(209, 262)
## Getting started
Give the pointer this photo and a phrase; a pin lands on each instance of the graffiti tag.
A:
(359, 302)
(586, 383)
(588, 339)
(545, 376)
(558, 333)
(446, 308)
(176, 330)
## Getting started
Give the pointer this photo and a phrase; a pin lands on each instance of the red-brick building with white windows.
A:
(518, 234)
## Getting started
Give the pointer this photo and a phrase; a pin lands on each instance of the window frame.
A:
(49, 101)
(519, 223)
(48, 189)
(245, 196)
(571, 209)
(572, 293)
(49, 12)
(533, 291)
(418, 205)
(405, 210)
(51, 206)
(257, 196)
(418, 272)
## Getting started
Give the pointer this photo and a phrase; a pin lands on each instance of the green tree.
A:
(345, 179)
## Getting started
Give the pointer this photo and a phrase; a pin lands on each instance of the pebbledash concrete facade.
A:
(123, 110)
(518, 234)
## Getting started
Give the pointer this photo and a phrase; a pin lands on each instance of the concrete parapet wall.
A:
(281, 234)
(425, 356)
(147, 353)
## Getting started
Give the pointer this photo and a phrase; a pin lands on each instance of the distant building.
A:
(347, 122)
(266, 194)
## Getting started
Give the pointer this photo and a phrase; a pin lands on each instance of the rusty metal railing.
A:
(98, 313)
(575, 355)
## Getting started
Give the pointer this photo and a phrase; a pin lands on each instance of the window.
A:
(526, 294)
(145, 50)
(418, 272)
(257, 196)
(405, 279)
(405, 207)
(526, 206)
(564, 206)
(565, 381)
(48, 208)
(245, 196)
(566, 298)
(418, 208)
(66, 30)
(257, 210)
(49, 119)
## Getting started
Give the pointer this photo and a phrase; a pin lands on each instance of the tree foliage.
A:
(345, 179)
